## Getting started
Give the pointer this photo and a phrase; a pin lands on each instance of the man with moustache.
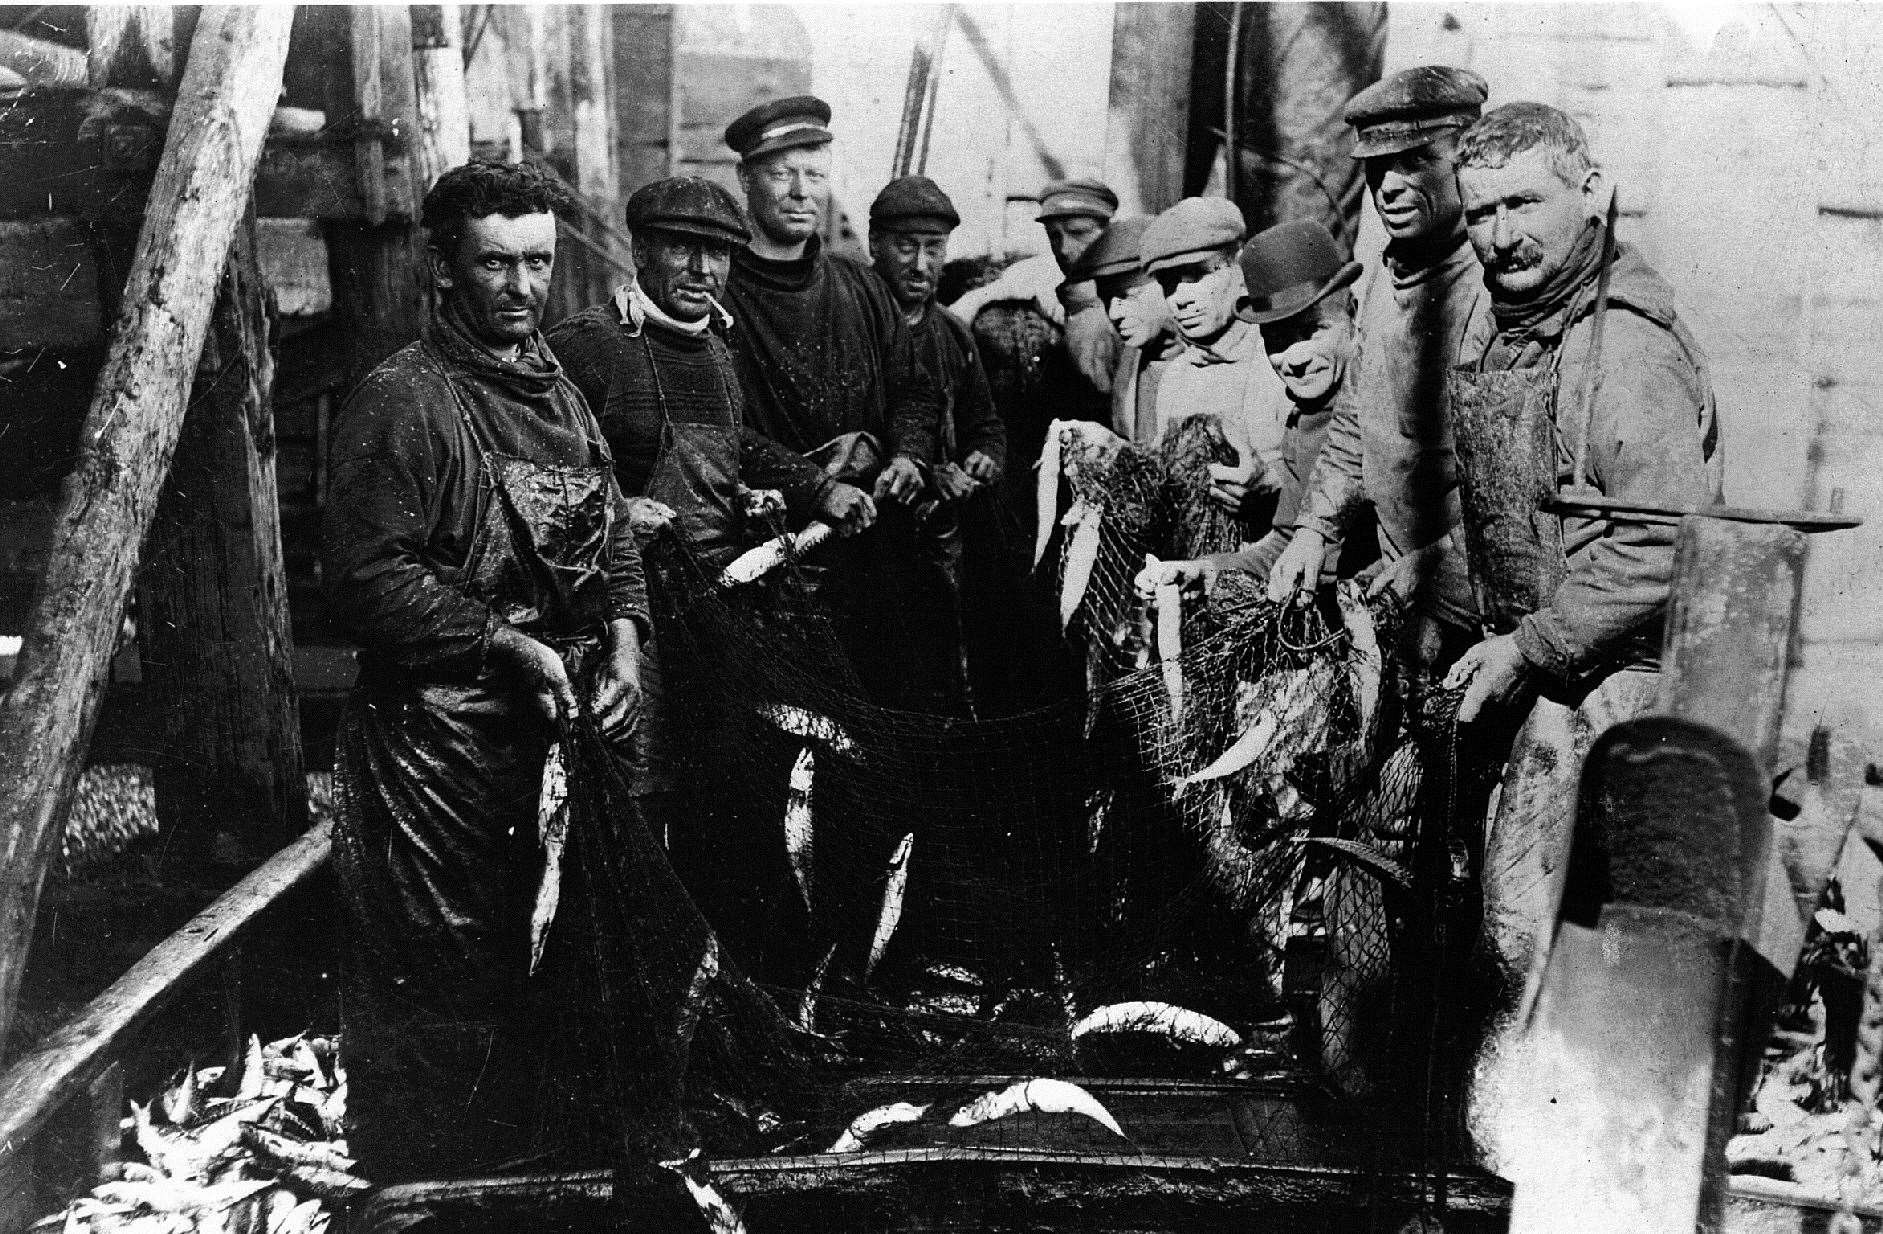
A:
(1135, 306)
(910, 222)
(1573, 611)
(1388, 445)
(476, 546)
(830, 370)
(1298, 296)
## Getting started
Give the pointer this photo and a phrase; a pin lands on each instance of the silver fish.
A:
(893, 891)
(552, 825)
(798, 822)
(1081, 557)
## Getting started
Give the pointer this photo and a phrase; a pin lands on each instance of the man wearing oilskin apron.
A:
(477, 547)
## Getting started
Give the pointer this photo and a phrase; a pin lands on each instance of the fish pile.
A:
(264, 1152)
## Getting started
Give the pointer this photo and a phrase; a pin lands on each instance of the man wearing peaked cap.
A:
(1390, 446)
(910, 222)
(829, 369)
(1190, 250)
(1298, 294)
(1135, 306)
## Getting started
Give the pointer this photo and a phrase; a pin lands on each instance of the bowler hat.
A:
(913, 203)
(1411, 107)
(1078, 198)
(692, 205)
(782, 124)
(1290, 268)
(1193, 226)
(1114, 252)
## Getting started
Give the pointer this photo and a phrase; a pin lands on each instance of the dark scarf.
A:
(1412, 264)
(529, 378)
(1553, 299)
(789, 274)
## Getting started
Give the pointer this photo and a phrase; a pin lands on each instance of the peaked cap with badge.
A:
(913, 203)
(782, 124)
(1411, 107)
(1290, 268)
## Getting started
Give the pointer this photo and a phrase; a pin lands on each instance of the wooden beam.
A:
(129, 434)
(131, 45)
(443, 103)
(63, 1065)
(213, 629)
(41, 63)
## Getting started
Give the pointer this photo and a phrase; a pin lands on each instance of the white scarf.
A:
(637, 307)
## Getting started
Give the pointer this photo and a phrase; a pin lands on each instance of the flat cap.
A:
(913, 203)
(1081, 198)
(1290, 268)
(1412, 107)
(1192, 227)
(691, 205)
(1114, 252)
(782, 124)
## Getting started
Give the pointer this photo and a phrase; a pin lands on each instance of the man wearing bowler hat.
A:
(1298, 294)
(1389, 444)
(829, 369)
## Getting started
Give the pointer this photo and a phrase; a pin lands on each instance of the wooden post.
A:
(380, 281)
(444, 107)
(131, 45)
(214, 632)
(1147, 119)
(129, 434)
(643, 40)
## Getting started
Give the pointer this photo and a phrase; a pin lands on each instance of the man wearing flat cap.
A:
(662, 385)
(829, 369)
(1389, 444)
(1073, 213)
(910, 222)
(1134, 304)
(1222, 372)
(1299, 297)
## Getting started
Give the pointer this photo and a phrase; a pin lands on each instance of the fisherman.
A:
(1222, 371)
(829, 369)
(1389, 444)
(1135, 306)
(662, 386)
(1299, 297)
(1573, 613)
(910, 222)
(1073, 213)
(477, 547)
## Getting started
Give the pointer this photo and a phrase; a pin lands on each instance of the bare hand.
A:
(647, 517)
(760, 503)
(617, 688)
(1231, 485)
(1492, 672)
(1401, 577)
(1201, 573)
(847, 508)
(980, 467)
(954, 483)
(1297, 572)
(901, 481)
(538, 669)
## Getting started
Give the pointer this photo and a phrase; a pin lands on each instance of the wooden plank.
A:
(41, 62)
(128, 437)
(48, 285)
(74, 1056)
(213, 634)
(442, 101)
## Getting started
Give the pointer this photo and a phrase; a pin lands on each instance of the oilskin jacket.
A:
(1389, 443)
(1654, 437)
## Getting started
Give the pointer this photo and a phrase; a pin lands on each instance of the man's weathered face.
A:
(1202, 294)
(1416, 191)
(1524, 220)
(1309, 351)
(499, 275)
(681, 273)
(786, 192)
(1136, 307)
(1070, 235)
(910, 262)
